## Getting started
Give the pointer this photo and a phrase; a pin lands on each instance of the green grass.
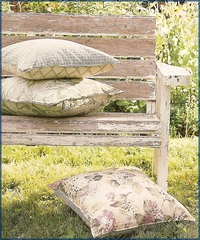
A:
(31, 210)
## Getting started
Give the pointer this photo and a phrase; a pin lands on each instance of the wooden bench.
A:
(130, 39)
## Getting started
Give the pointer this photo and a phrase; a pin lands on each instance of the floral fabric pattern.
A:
(54, 98)
(116, 200)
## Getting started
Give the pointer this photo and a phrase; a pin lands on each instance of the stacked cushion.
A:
(50, 80)
(54, 58)
(54, 98)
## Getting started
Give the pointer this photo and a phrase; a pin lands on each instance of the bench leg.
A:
(167, 76)
(160, 166)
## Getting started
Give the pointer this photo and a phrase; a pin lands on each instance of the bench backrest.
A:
(130, 39)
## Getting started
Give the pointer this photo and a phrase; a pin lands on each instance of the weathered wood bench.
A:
(130, 39)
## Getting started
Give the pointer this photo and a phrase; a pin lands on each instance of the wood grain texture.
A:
(173, 75)
(79, 140)
(138, 48)
(103, 129)
(132, 69)
(160, 166)
(103, 123)
(78, 24)
(135, 90)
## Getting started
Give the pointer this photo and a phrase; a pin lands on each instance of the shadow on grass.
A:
(44, 215)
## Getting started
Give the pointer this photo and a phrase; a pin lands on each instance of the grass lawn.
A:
(31, 210)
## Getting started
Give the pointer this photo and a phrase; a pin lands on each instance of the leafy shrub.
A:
(177, 44)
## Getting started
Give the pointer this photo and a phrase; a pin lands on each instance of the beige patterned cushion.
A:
(54, 58)
(114, 201)
(54, 98)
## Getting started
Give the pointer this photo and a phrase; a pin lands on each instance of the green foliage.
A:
(126, 106)
(31, 210)
(177, 44)
(84, 7)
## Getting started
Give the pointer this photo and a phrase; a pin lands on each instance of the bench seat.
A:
(132, 40)
(102, 129)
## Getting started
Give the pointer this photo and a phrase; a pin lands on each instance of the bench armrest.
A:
(172, 75)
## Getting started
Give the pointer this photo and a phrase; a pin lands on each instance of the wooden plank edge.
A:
(81, 140)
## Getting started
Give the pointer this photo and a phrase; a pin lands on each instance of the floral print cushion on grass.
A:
(117, 200)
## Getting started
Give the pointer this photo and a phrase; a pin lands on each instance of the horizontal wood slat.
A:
(99, 123)
(126, 69)
(132, 69)
(79, 140)
(135, 90)
(123, 25)
(144, 48)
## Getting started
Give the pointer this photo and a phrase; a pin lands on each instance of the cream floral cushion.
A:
(118, 200)
(54, 58)
(54, 98)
